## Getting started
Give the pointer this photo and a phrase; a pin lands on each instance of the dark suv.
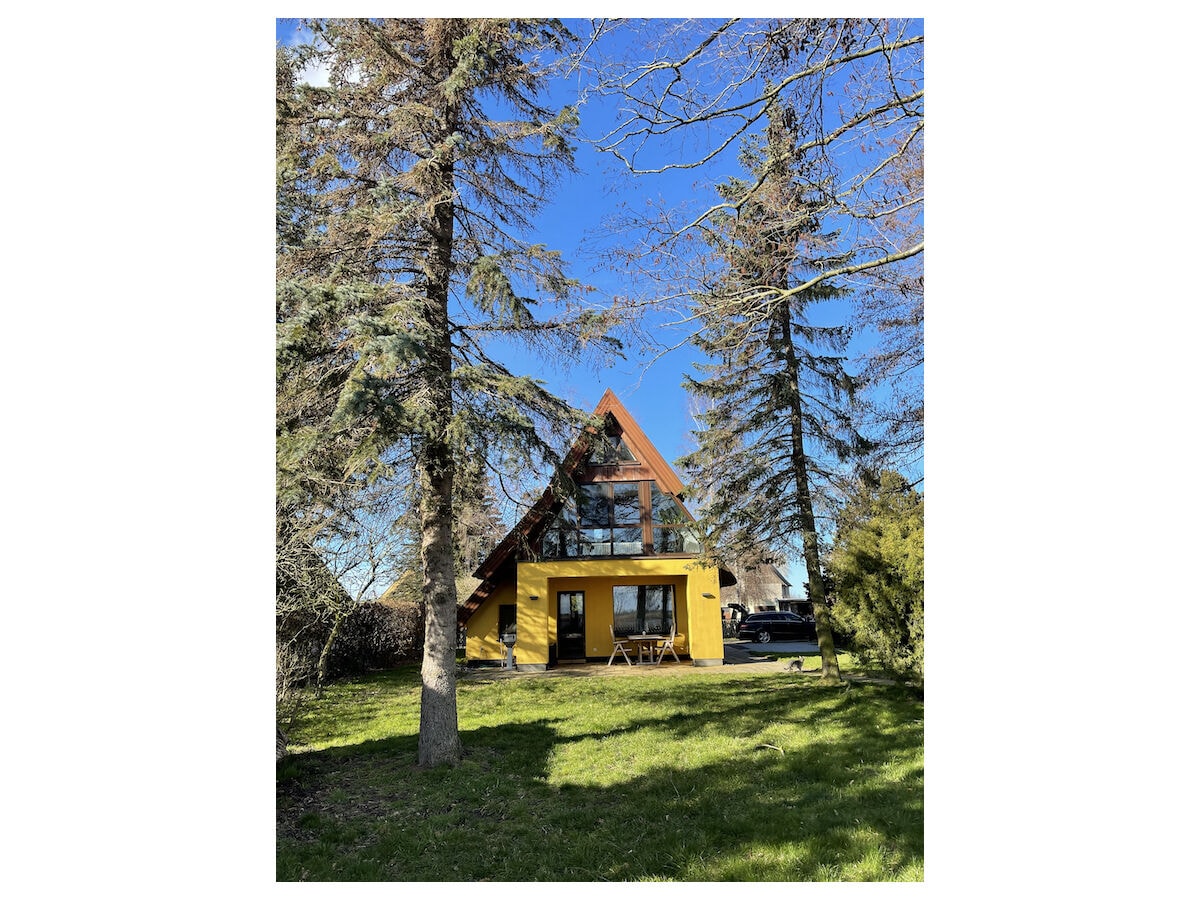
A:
(777, 626)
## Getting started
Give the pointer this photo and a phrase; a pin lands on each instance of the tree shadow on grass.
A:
(846, 806)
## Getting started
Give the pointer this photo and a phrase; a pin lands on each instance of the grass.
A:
(698, 776)
(848, 663)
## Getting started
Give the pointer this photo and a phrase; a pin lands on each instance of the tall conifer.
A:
(406, 188)
(777, 412)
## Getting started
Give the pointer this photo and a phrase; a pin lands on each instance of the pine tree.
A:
(406, 187)
(777, 418)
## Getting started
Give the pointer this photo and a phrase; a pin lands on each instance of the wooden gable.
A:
(648, 465)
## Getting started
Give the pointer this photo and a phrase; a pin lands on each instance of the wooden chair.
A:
(668, 644)
(618, 645)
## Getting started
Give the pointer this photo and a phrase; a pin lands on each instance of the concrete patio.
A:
(737, 653)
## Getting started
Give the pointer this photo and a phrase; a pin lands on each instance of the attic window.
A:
(610, 450)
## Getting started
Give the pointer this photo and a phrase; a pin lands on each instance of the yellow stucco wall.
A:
(698, 618)
(704, 616)
(598, 607)
(483, 628)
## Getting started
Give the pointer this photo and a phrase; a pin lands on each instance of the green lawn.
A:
(696, 776)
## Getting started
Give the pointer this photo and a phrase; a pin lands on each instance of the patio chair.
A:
(618, 645)
(668, 644)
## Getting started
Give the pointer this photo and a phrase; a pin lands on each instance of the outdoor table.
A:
(648, 640)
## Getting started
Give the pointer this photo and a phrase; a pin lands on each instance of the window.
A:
(627, 507)
(673, 531)
(620, 518)
(610, 516)
(675, 540)
(508, 620)
(664, 509)
(560, 543)
(561, 540)
(610, 450)
(595, 506)
(643, 608)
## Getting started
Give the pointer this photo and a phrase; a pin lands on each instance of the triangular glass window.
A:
(610, 450)
(664, 508)
(674, 531)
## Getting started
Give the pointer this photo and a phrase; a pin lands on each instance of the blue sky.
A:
(573, 222)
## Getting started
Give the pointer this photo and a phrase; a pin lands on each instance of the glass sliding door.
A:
(571, 641)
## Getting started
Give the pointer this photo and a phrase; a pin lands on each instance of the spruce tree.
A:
(406, 190)
(776, 420)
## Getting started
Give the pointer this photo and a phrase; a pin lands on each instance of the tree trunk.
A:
(438, 743)
(808, 523)
(326, 650)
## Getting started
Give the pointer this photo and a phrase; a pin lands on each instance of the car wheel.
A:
(764, 637)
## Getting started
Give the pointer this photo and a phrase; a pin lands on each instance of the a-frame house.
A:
(615, 549)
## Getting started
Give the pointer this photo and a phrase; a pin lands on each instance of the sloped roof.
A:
(528, 530)
(780, 576)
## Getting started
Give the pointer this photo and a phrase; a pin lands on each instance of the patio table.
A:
(648, 641)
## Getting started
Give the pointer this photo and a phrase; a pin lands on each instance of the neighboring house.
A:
(615, 549)
(760, 587)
